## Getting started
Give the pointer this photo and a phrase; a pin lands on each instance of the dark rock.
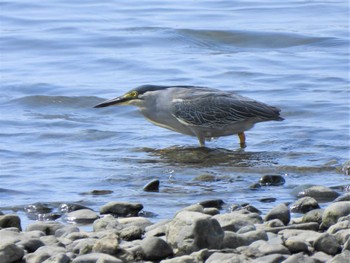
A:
(334, 211)
(268, 200)
(38, 208)
(343, 197)
(59, 258)
(320, 193)
(10, 221)
(272, 180)
(152, 186)
(82, 216)
(98, 192)
(70, 207)
(296, 245)
(123, 209)
(31, 244)
(9, 253)
(192, 231)
(280, 212)
(313, 216)
(216, 203)
(155, 248)
(327, 244)
(206, 178)
(304, 205)
(49, 228)
(255, 186)
(43, 253)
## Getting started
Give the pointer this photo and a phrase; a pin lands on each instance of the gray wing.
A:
(221, 110)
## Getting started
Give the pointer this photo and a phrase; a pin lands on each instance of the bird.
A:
(202, 112)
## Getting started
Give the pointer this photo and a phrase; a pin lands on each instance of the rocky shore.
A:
(202, 232)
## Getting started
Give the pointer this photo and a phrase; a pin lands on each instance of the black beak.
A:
(115, 101)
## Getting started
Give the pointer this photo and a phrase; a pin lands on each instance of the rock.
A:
(30, 244)
(304, 205)
(268, 249)
(9, 253)
(96, 258)
(346, 168)
(107, 245)
(66, 230)
(272, 180)
(49, 228)
(313, 216)
(274, 258)
(296, 245)
(192, 231)
(43, 253)
(70, 207)
(10, 221)
(343, 197)
(346, 245)
(194, 208)
(206, 178)
(38, 208)
(299, 258)
(107, 222)
(246, 229)
(280, 212)
(130, 233)
(155, 248)
(268, 200)
(98, 192)
(215, 203)
(123, 209)
(321, 257)
(334, 211)
(225, 258)
(320, 193)
(82, 216)
(152, 186)
(212, 211)
(59, 258)
(235, 220)
(306, 235)
(275, 223)
(82, 246)
(234, 240)
(327, 244)
(341, 258)
(140, 222)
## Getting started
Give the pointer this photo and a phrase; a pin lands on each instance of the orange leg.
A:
(241, 136)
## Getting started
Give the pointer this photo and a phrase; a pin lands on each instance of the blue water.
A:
(60, 58)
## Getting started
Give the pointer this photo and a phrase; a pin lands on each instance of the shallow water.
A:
(59, 59)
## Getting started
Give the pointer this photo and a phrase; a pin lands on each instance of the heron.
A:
(202, 112)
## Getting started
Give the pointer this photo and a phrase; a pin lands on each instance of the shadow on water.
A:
(207, 157)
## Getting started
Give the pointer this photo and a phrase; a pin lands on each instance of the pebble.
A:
(121, 209)
(320, 193)
(304, 205)
(197, 233)
(82, 216)
(272, 180)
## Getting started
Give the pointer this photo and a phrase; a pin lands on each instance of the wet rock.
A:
(107, 222)
(59, 258)
(9, 253)
(10, 221)
(49, 228)
(96, 258)
(215, 203)
(70, 207)
(327, 244)
(280, 212)
(320, 193)
(82, 216)
(235, 220)
(38, 208)
(152, 186)
(255, 186)
(268, 200)
(224, 258)
(192, 231)
(107, 245)
(299, 258)
(206, 178)
(98, 192)
(274, 223)
(334, 211)
(313, 216)
(296, 245)
(346, 168)
(272, 180)
(343, 197)
(123, 209)
(43, 253)
(304, 205)
(155, 248)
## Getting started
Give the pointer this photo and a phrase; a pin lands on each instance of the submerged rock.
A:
(304, 205)
(272, 180)
(121, 209)
(152, 186)
(320, 193)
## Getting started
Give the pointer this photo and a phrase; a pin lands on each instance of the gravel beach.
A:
(202, 232)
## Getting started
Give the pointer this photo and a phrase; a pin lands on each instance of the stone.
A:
(299, 258)
(296, 245)
(280, 212)
(193, 208)
(70, 207)
(155, 248)
(140, 222)
(327, 244)
(211, 211)
(82, 246)
(192, 231)
(313, 216)
(320, 193)
(38, 208)
(306, 235)
(234, 240)
(272, 180)
(214, 203)
(346, 245)
(98, 192)
(343, 197)
(273, 223)
(105, 223)
(304, 205)
(66, 230)
(9, 236)
(225, 258)
(130, 233)
(235, 220)
(122, 209)
(82, 216)
(10, 221)
(334, 211)
(341, 258)
(152, 186)
(268, 249)
(268, 199)
(49, 228)
(107, 245)
(96, 258)
(305, 226)
(59, 258)
(30, 244)
(321, 257)
(9, 253)
(43, 253)
(346, 168)
(273, 258)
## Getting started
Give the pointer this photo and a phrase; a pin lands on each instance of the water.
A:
(60, 58)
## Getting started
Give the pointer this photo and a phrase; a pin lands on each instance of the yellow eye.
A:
(133, 94)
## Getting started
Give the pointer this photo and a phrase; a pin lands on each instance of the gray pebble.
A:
(49, 228)
(30, 244)
(236, 220)
(82, 216)
(320, 193)
(9, 253)
(131, 232)
(10, 221)
(327, 244)
(313, 216)
(106, 222)
(334, 211)
(341, 258)
(274, 258)
(121, 208)
(96, 258)
(155, 248)
(280, 212)
(224, 258)
(107, 245)
(214, 203)
(304, 205)
(59, 258)
(296, 245)
(299, 258)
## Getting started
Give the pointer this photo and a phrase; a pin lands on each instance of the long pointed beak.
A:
(115, 101)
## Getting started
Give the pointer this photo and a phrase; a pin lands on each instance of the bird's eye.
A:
(133, 94)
